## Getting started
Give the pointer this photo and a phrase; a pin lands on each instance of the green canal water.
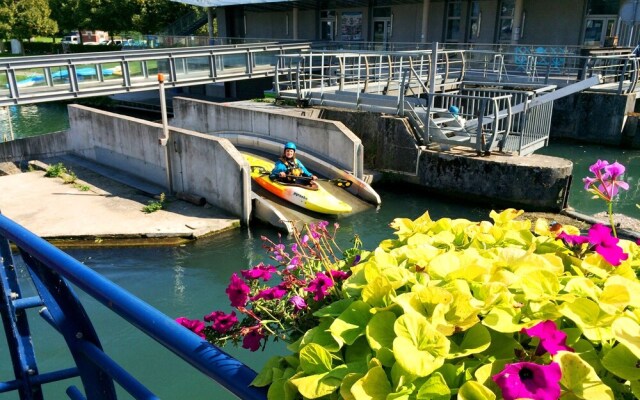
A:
(190, 280)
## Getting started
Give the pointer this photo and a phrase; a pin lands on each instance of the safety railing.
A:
(52, 271)
(46, 78)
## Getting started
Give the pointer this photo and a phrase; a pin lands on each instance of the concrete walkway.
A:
(96, 210)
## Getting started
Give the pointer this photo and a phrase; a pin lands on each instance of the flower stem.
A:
(613, 225)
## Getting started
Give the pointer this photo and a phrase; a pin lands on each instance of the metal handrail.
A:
(52, 262)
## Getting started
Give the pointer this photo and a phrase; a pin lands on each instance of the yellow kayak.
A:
(312, 197)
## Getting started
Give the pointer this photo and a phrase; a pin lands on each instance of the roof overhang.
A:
(223, 3)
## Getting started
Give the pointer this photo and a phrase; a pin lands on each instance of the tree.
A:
(70, 15)
(156, 15)
(23, 19)
(32, 18)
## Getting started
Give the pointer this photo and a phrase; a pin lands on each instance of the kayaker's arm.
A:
(305, 171)
(278, 168)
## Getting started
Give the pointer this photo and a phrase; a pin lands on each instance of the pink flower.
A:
(238, 291)
(526, 380)
(339, 275)
(270, 294)
(572, 240)
(298, 302)
(252, 338)
(320, 286)
(259, 271)
(551, 338)
(193, 325)
(294, 262)
(605, 185)
(606, 245)
(222, 322)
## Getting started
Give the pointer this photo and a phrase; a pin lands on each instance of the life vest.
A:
(292, 167)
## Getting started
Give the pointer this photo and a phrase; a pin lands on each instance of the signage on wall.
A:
(351, 26)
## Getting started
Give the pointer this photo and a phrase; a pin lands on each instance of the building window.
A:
(475, 20)
(600, 22)
(327, 24)
(454, 12)
(505, 22)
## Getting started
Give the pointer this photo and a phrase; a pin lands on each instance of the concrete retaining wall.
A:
(200, 164)
(35, 147)
(598, 118)
(533, 182)
(329, 140)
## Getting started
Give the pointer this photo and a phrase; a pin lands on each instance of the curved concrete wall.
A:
(330, 140)
(199, 164)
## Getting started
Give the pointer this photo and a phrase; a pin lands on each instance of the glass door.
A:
(597, 29)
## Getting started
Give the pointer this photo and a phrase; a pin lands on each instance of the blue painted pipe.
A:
(207, 358)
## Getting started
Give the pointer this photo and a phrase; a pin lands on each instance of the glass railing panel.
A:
(187, 67)
(30, 77)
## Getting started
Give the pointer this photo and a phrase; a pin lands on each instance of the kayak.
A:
(312, 197)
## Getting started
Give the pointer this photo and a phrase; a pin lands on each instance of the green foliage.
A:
(56, 170)
(82, 187)
(154, 205)
(438, 311)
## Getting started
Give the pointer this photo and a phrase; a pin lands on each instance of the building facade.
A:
(583, 23)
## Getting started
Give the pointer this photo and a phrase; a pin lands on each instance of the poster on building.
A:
(351, 26)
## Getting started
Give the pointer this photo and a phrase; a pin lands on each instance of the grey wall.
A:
(35, 147)
(329, 140)
(553, 22)
(199, 164)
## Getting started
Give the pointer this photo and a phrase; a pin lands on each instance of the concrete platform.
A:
(108, 213)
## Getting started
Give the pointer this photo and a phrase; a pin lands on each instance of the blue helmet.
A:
(454, 110)
(290, 145)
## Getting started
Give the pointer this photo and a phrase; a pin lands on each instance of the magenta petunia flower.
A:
(552, 339)
(237, 291)
(339, 275)
(221, 322)
(572, 240)
(294, 263)
(194, 325)
(605, 182)
(320, 286)
(606, 244)
(526, 380)
(260, 271)
(270, 294)
(252, 339)
(298, 302)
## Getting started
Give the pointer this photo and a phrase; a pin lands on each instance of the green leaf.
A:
(379, 330)
(265, 377)
(373, 386)
(472, 390)
(347, 384)
(614, 298)
(281, 389)
(359, 351)
(475, 340)
(435, 388)
(622, 362)
(595, 324)
(334, 309)
(627, 332)
(378, 292)
(315, 359)
(504, 318)
(419, 348)
(539, 285)
(320, 335)
(315, 386)
(579, 380)
(351, 324)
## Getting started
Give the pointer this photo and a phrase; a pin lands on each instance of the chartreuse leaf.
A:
(475, 340)
(281, 389)
(539, 285)
(614, 298)
(320, 335)
(373, 386)
(315, 359)
(583, 287)
(472, 390)
(595, 323)
(622, 362)
(632, 285)
(419, 348)
(627, 332)
(334, 309)
(405, 227)
(504, 318)
(635, 389)
(351, 324)
(379, 330)
(579, 379)
(435, 388)
(506, 217)
(444, 264)
(347, 384)
(265, 377)
(317, 385)
(378, 292)
(358, 352)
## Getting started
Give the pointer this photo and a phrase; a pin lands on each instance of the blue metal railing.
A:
(51, 270)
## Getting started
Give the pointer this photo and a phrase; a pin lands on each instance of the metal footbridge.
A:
(502, 107)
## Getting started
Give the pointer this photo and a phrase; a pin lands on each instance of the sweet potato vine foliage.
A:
(447, 309)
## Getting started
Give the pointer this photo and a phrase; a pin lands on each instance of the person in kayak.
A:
(289, 169)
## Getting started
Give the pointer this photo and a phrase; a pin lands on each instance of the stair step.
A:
(443, 120)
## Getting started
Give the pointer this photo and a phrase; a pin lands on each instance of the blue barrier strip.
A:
(208, 359)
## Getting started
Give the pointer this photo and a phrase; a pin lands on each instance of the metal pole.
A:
(165, 132)
(10, 125)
